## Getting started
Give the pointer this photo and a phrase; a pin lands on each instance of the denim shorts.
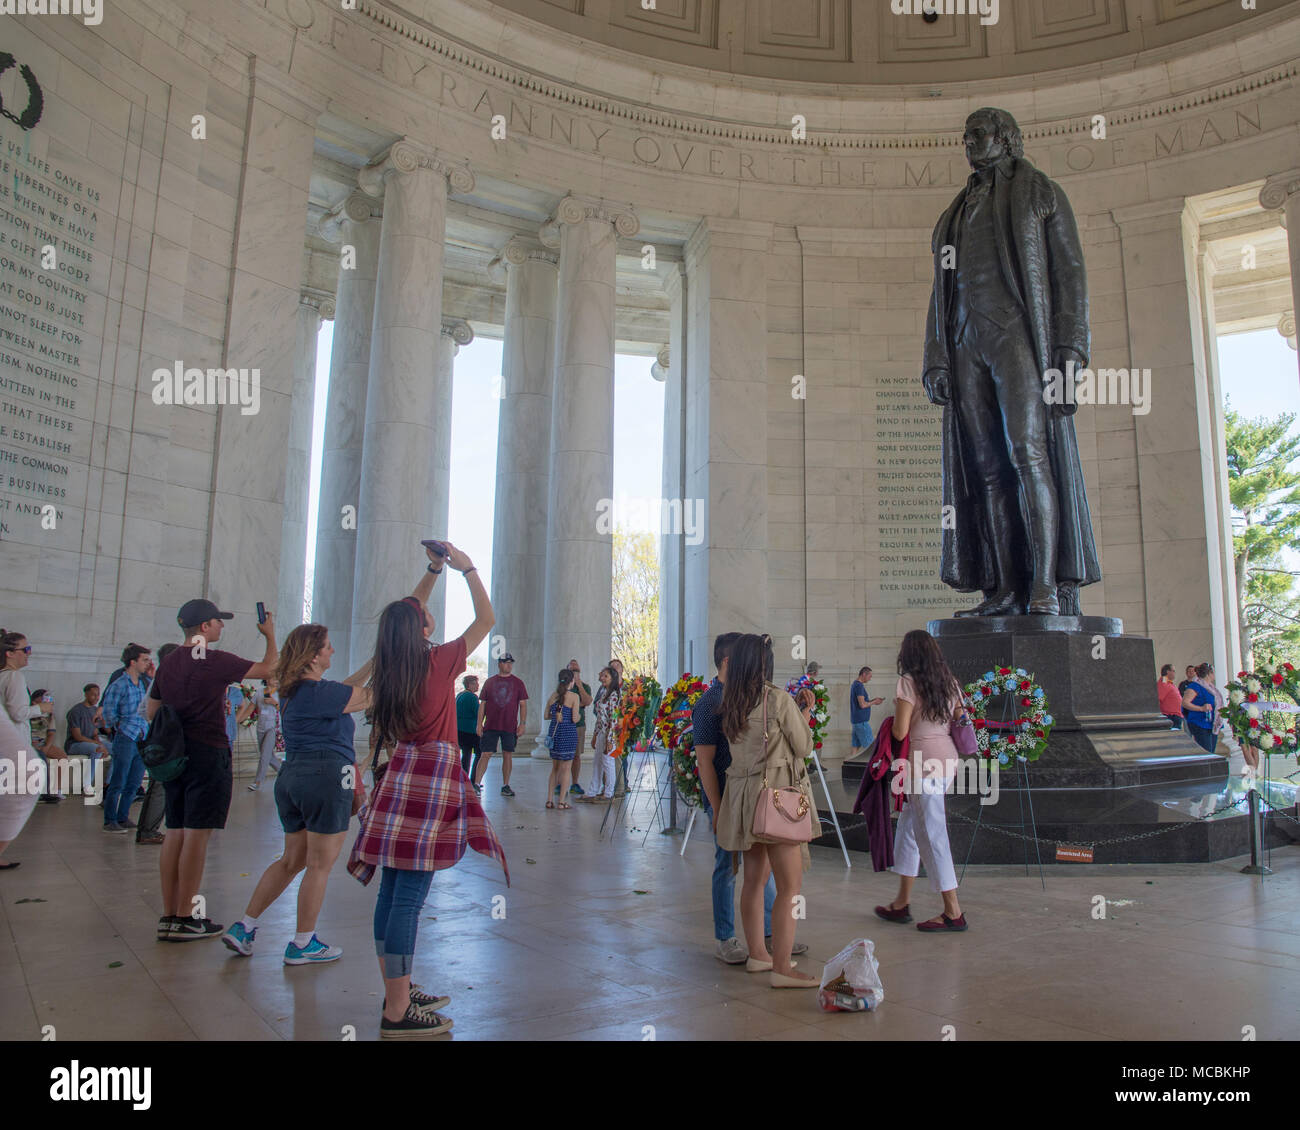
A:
(312, 792)
(861, 735)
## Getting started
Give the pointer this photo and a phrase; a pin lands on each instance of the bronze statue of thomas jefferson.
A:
(1010, 303)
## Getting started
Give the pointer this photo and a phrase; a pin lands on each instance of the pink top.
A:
(929, 739)
(1171, 702)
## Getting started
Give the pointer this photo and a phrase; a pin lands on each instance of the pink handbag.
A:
(782, 814)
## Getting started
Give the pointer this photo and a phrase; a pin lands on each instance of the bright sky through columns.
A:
(638, 456)
(1258, 371)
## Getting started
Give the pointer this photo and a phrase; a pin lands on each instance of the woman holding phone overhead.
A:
(424, 812)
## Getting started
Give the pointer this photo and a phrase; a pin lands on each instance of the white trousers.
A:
(922, 837)
(266, 758)
(602, 770)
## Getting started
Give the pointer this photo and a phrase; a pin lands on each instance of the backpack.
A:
(163, 748)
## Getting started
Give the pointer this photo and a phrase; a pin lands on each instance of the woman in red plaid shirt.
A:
(424, 812)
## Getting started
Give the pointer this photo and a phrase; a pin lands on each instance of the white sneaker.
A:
(732, 951)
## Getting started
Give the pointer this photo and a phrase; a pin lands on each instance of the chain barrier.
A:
(1003, 831)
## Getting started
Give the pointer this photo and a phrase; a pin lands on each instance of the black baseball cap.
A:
(507, 658)
(195, 612)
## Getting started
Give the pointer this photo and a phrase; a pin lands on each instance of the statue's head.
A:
(991, 134)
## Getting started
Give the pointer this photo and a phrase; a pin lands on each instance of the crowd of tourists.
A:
(1196, 703)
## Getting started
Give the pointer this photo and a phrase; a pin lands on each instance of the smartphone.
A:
(436, 546)
(261, 612)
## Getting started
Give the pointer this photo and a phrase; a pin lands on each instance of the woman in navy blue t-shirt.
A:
(316, 792)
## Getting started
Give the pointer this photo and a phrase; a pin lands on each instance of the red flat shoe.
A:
(889, 914)
(956, 925)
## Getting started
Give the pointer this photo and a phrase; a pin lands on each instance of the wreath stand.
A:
(830, 805)
(647, 756)
(1023, 792)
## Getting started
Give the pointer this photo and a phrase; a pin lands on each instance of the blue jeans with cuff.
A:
(397, 918)
(724, 891)
(124, 779)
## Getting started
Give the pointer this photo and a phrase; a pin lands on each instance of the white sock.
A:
(248, 922)
(301, 940)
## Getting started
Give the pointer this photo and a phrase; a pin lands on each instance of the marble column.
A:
(524, 466)
(355, 226)
(1182, 592)
(725, 574)
(297, 463)
(672, 544)
(247, 504)
(579, 540)
(399, 497)
(455, 333)
(1282, 190)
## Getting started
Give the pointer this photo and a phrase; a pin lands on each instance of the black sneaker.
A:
(424, 1000)
(417, 1022)
(506, 790)
(165, 926)
(190, 929)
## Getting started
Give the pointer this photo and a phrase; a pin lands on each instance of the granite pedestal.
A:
(1108, 747)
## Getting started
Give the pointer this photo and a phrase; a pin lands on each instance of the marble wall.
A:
(804, 258)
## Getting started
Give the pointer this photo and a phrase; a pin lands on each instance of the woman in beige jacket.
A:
(775, 752)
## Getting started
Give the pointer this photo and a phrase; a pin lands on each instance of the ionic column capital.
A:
(659, 370)
(408, 157)
(516, 253)
(318, 300)
(460, 332)
(1279, 188)
(356, 208)
(574, 209)
(1286, 327)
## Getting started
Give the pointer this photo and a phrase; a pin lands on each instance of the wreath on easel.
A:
(1026, 729)
(1255, 710)
(634, 713)
(675, 733)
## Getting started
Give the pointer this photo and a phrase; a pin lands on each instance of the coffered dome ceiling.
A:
(863, 41)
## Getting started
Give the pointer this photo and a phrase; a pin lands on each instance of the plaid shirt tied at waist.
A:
(423, 815)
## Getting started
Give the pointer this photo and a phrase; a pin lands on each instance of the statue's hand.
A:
(938, 387)
(1061, 359)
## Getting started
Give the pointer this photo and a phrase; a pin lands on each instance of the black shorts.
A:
(468, 742)
(313, 793)
(200, 796)
(488, 742)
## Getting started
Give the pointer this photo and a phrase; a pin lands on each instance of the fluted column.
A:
(524, 465)
(297, 461)
(399, 482)
(455, 333)
(670, 369)
(355, 225)
(579, 542)
(1282, 190)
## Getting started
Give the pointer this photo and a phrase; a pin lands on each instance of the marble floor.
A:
(610, 939)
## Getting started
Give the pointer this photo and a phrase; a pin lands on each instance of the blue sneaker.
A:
(239, 939)
(313, 953)
(577, 790)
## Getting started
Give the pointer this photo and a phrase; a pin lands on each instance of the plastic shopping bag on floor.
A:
(851, 979)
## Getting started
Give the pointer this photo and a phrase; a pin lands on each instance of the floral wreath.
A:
(633, 716)
(672, 726)
(820, 712)
(1024, 736)
(1251, 709)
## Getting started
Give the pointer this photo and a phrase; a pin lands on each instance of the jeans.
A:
(123, 780)
(1175, 720)
(87, 750)
(724, 892)
(1204, 737)
(397, 917)
(603, 776)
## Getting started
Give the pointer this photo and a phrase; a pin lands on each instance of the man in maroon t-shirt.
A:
(501, 716)
(192, 680)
